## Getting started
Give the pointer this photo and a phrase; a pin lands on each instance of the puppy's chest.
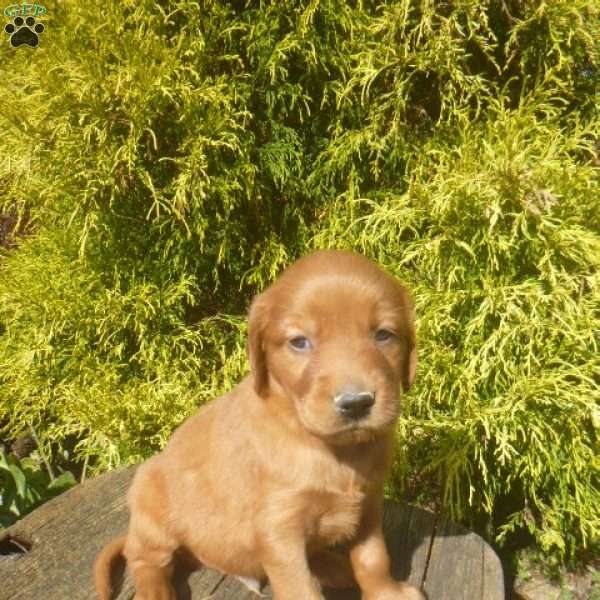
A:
(335, 516)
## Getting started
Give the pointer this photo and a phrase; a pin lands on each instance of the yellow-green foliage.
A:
(171, 158)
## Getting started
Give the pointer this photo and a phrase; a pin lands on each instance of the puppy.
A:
(265, 481)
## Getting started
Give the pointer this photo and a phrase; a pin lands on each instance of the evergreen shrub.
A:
(166, 160)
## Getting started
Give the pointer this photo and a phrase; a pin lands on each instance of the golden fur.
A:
(266, 479)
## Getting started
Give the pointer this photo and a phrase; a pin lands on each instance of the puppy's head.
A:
(335, 336)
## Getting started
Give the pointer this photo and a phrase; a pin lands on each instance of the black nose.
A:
(354, 405)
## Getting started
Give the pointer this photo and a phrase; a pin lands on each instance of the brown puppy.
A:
(263, 481)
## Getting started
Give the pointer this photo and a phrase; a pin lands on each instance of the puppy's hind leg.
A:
(150, 545)
(153, 583)
(150, 562)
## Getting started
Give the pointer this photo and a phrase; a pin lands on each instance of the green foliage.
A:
(505, 275)
(170, 159)
(595, 591)
(25, 485)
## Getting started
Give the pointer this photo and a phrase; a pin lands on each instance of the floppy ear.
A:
(257, 320)
(409, 364)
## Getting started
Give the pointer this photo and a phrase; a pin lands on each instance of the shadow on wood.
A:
(49, 554)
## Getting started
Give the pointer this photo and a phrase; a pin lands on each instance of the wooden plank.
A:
(493, 576)
(456, 570)
(67, 533)
(408, 533)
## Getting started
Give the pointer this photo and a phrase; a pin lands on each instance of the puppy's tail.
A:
(103, 566)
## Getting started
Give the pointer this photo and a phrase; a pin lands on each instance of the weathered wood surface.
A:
(65, 535)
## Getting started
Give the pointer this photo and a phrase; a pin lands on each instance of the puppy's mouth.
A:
(347, 431)
(354, 433)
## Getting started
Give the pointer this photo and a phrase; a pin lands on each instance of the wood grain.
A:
(462, 566)
(65, 535)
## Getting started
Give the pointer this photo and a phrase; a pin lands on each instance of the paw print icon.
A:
(24, 31)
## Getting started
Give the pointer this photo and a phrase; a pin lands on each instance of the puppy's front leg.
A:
(281, 547)
(371, 563)
(285, 563)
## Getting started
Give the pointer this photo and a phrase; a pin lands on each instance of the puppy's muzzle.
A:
(354, 405)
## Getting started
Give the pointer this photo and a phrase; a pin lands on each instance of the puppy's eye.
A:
(300, 343)
(383, 335)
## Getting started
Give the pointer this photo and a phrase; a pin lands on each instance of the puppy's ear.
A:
(257, 321)
(409, 364)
